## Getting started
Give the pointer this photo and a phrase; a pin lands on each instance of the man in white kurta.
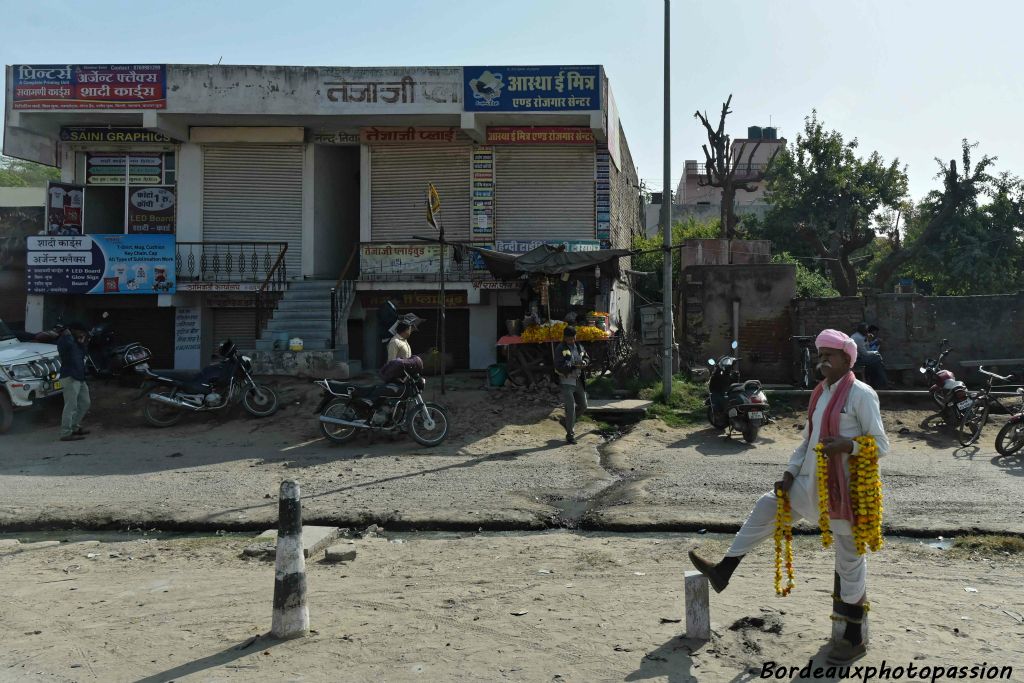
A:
(860, 416)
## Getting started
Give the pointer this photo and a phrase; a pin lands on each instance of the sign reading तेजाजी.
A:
(532, 88)
(96, 86)
(101, 264)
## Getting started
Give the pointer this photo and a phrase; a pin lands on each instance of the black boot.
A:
(851, 646)
(718, 574)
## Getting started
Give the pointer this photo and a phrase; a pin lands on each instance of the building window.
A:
(128, 192)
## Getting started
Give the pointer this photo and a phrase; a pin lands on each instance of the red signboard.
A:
(539, 135)
(102, 86)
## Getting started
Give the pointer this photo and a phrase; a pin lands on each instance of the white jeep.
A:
(28, 371)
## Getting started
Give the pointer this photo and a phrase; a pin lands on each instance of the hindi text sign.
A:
(532, 88)
(101, 264)
(99, 86)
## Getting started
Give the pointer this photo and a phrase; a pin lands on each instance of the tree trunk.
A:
(728, 212)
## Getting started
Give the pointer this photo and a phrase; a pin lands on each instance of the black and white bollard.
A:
(698, 606)
(291, 615)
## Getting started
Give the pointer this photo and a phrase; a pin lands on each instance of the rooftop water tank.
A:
(754, 132)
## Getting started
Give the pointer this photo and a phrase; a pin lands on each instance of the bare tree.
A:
(725, 168)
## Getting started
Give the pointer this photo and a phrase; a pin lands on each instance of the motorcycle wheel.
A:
(718, 421)
(969, 427)
(938, 399)
(1010, 438)
(750, 432)
(260, 401)
(339, 409)
(160, 414)
(419, 431)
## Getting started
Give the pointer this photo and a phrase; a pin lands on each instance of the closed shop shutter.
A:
(398, 188)
(544, 193)
(236, 324)
(456, 335)
(253, 193)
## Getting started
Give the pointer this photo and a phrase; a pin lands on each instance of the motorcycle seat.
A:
(370, 391)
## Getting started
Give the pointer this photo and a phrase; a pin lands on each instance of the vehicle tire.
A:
(938, 399)
(806, 370)
(340, 410)
(6, 413)
(969, 428)
(720, 422)
(1010, 438)
(419, 431)
(160, 414)
(260, 400)
(750, 432)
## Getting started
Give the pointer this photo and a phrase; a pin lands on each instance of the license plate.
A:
(56, 385)
(756, 413)
(965, 404)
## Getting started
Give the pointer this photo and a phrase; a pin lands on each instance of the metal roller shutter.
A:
(236, 324)
(399, 176)
(544, 193)
(254, 193)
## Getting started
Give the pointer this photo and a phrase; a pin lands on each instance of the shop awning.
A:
(549, 260)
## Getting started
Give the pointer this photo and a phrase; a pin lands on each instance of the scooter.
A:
(732, 404)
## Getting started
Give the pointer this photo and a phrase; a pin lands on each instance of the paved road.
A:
(504, 467)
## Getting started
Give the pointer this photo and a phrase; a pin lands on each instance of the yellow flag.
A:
(433, 204)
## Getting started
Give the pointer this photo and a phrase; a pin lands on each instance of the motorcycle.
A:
(389, 408)
(104, 357)
(1011, 437)
(215, 387)
(948, 393)
(739, 406)
(107, 358)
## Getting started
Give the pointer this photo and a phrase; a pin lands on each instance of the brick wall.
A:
(625, 200)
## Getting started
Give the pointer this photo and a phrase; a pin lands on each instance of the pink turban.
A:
(834, 339)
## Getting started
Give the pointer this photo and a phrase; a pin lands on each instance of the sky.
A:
(907, 78)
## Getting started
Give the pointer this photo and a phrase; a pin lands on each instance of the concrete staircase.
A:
(305, 311)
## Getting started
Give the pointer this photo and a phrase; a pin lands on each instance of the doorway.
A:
(335, 210)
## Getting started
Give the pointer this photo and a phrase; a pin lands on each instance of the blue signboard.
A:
(532, 88)
(101, 264)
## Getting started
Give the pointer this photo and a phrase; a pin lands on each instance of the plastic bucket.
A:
(497, 374)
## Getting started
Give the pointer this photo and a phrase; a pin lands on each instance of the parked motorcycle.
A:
(732, 404)
(1011, 437)
(386, 408)
(215, 387)
(948, 393)
(107, 358)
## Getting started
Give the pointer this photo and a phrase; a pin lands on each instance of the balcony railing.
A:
(232, 262)
(742, 170)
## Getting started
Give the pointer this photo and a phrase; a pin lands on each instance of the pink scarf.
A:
(838, 488)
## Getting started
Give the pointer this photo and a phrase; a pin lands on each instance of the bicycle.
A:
(974, 415)
(804, 362)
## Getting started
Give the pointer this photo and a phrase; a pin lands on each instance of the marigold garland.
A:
(554, 332)
(865, 496)
(783, 543)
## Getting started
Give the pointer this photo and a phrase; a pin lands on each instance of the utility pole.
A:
(666, 226)
(434, 219)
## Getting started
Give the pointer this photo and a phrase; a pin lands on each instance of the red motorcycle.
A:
(946, 390)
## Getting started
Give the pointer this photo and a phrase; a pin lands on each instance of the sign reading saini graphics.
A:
(531, 88)
(112, 135)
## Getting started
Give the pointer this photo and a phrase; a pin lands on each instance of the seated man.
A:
(871, 361)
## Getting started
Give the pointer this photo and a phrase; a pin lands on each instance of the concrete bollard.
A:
(291, 615)
(698, 607)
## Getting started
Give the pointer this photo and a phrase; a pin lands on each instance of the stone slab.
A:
(631, 405)
(341, 552)
(38, 546)
(314, 539)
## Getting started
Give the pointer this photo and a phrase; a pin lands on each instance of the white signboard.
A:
(187, 337)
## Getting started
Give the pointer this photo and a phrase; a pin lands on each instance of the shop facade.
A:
(225, 200)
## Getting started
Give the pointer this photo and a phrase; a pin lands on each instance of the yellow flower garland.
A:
(865, 496)
(783, 538)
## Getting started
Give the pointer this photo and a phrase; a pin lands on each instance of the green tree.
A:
(809, 281)
(19, 173)
(934, 226)
(823, 193)
(650, 286)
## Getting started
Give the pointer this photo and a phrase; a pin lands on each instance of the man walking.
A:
(71, 346)
(570, 359)
(841, 409)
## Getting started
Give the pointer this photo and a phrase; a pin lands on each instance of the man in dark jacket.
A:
(570, 359)
(71, 345)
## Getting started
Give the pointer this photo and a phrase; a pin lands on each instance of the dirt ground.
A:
(551, 606)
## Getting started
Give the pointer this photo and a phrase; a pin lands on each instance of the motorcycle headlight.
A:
(22, 371)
